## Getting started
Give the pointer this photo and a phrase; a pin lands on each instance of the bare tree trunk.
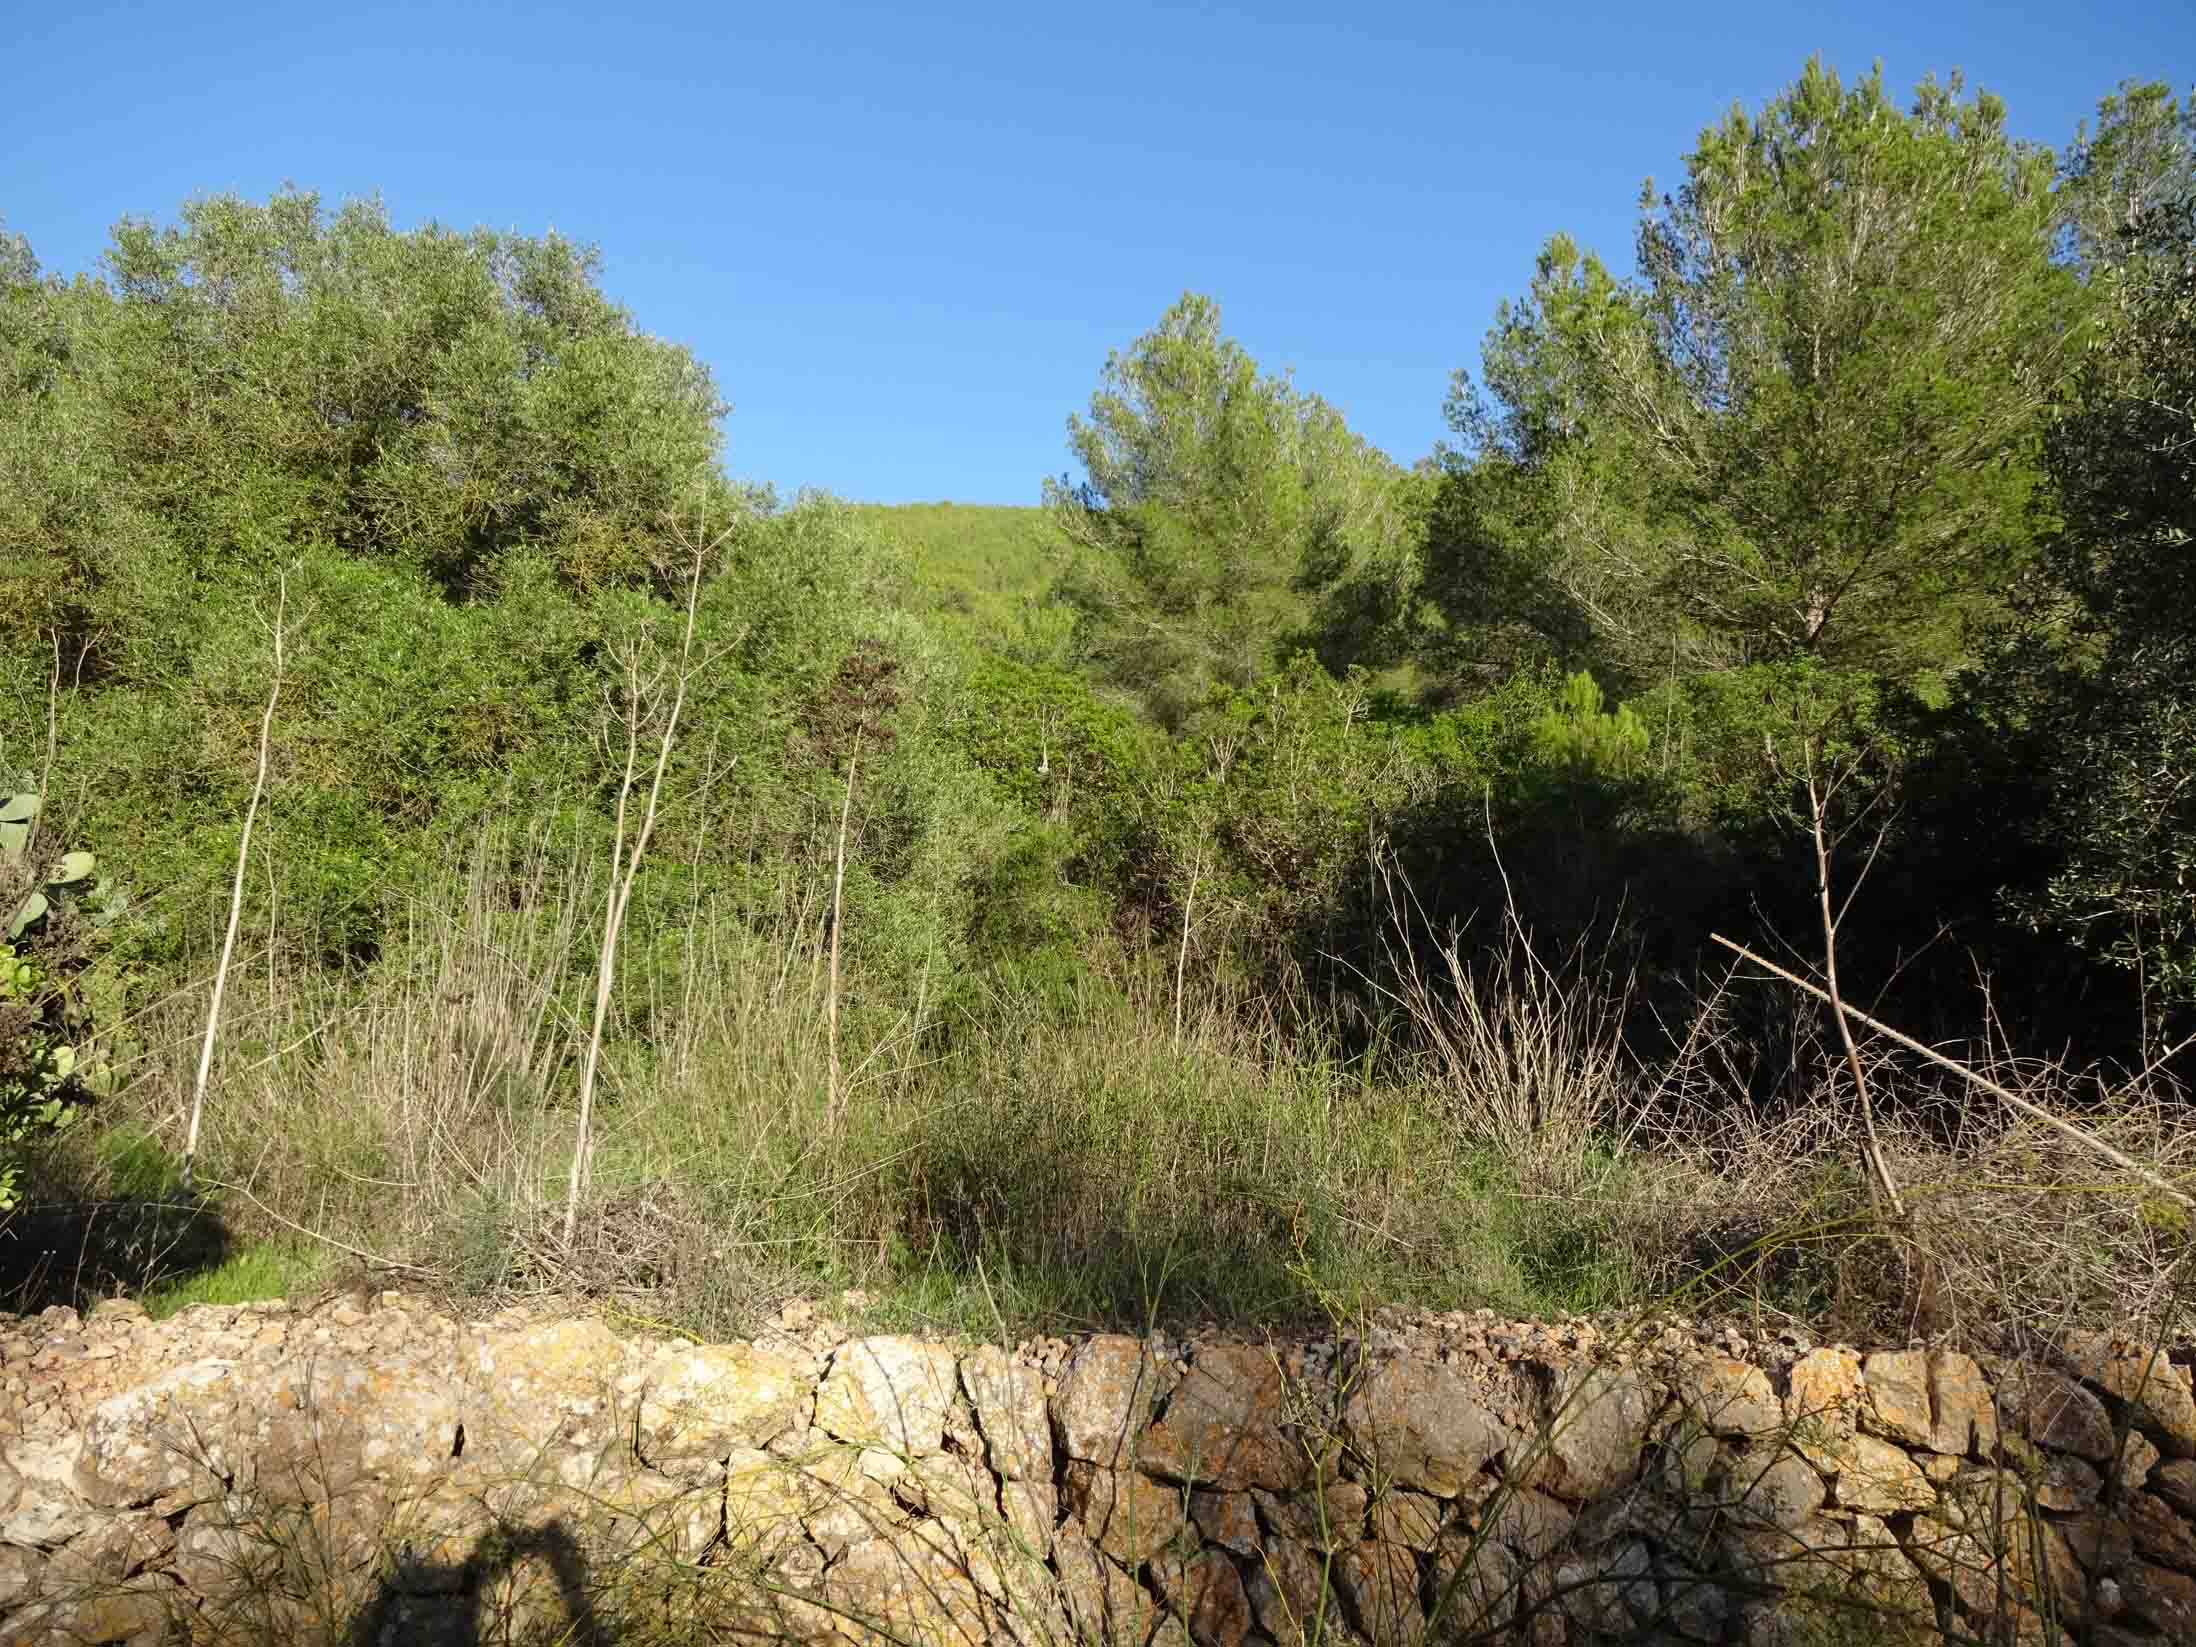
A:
(621, 889)
(53, 747)
(236, 891)
(1181, 957)
(1818, 807)
(836, 1111)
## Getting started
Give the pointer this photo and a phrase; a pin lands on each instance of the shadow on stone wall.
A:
(369, 1478)
(456, 1604)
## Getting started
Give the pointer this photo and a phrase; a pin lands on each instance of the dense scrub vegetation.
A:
(1267, 879)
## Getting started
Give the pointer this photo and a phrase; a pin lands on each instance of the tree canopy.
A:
(1807, 425)
(2116, 603)
(1226, 518)
(262, 376)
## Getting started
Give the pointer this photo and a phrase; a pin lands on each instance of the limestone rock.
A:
(2100, 1539)
(1102, 1605)
(1597, 1418)
(1528, 1522)
(1729, 1397)
(21, 1572)
(764, 1499)
(1822, 1402)
(2161, 1598)
(1009, 1399)
(135, 1614)
(2159, 1534)
(1105, 1399)
(2175, 1482)
(1030, 1511)
(949, 1487)
(1688, 1461)
(903, 1590)
(1128, 1515)
(1898, 1397)
(1412, 1520)
(1966, 1419)
(2156, 1390)
(2139, 1457)
(47, 1510)
(1878, 1478)
(1423, 1425)
(2056, 1481)
(1378, 1584)
(544, 1393)
(1326, 1515)
(1206, 1593)
(429, 1470)
(1776, 1489)
(187, 1431)
(1226, 1519)
(2055, 1412)
(1477, 1588)
(1611, 1594)
(116, 1550)
(1287, 1587)
(1827, 1569)
(1984, 1543)
(702, 1402)
(1222, 1426)
(1694, 1605)
(844, 1501)
(890, 1394)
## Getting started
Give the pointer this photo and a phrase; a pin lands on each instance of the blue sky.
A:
(905, 238)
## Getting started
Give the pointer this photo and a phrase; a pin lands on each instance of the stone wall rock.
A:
(386, 1474)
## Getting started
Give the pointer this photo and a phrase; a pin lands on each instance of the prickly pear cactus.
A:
(46, 1073)
(16, 815)
(68, 877)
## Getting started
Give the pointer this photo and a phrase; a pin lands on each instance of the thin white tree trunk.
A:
(621, 888)
(236, 892)
(837, 1103)
(1818, 806)
(1181, 957)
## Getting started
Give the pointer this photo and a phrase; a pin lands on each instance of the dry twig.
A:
(2035, 1112)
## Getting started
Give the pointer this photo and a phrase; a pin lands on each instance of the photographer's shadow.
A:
(445, 1604)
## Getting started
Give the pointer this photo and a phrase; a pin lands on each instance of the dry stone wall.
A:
(378, 1473)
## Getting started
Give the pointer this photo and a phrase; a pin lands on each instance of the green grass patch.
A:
(259, 1271)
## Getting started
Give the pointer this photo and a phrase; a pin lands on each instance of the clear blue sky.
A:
(905, 237)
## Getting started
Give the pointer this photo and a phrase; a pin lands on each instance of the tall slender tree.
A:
(1226, 518)
(1807, 426)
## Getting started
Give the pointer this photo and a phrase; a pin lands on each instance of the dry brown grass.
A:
(1525, 1056)
(1070, 1161)
(2026, 1231)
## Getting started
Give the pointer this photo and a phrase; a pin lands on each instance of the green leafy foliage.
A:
(41, 1086)
(1807, 427)
(1227, 519)
(2107, 673)
(2135, 161)
(261, 377)
(1582, 736)
(1180, 772)
(985, 572)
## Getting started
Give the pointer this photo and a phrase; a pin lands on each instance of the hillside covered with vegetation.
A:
(1269, 879)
